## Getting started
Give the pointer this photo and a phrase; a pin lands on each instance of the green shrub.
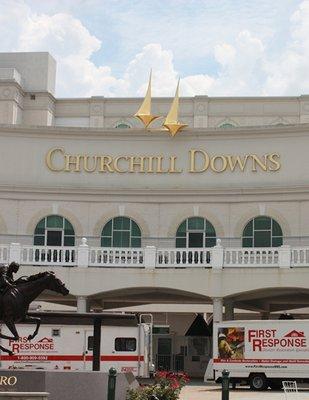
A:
(167, 386)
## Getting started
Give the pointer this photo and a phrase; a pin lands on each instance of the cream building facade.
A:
(217, 215)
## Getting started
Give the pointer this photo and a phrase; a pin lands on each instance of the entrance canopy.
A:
(271, 299)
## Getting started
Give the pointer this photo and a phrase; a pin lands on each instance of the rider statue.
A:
(6, 276)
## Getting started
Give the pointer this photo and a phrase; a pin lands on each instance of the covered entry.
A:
(189, 353)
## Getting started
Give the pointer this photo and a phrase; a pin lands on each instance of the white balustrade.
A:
(251, 257)
(300, 256)
(4, 253)
(48, 255)
(184, 257)
(151, 257)
(116, 257)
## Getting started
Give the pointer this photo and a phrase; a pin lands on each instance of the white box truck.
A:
(70, 347)
(260, 353)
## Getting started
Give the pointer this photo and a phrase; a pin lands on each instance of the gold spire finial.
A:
(144, 112)
(171, 122)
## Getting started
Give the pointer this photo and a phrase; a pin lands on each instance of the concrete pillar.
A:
(81, 304)
(83, 254)
(15, 253)
(217, 309)
(217, 256)
(229, 311)
(265, 315)
(284, 256)
(150, 257)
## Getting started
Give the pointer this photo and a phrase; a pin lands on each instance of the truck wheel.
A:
(258, 382)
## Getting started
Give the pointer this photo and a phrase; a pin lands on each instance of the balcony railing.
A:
(151, 257)
(116, 257)
(167, 258)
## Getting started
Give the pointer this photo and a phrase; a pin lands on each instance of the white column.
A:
(217, 309)
(284, 256)
(15, 253)
(229, 311)
(150, 257)
(81, 304)
(217, 256)
(83, 254)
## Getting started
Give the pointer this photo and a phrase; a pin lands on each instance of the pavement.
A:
(200, 391)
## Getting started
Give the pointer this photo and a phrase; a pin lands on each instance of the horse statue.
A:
(15, 302)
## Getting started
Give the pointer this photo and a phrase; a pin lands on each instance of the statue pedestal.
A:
(64, 385)
(24, 396)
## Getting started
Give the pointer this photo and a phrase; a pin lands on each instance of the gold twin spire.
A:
(171, 122)
(144, 112)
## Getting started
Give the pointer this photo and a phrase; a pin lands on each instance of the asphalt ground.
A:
(199, 391)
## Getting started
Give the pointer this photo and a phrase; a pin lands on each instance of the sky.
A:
(216, 47)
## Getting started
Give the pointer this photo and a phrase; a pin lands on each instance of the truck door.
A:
(87, 350)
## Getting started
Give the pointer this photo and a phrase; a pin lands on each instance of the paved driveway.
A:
(196, 391)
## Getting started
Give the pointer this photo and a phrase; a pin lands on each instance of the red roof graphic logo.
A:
(46, 340)
(295, 333)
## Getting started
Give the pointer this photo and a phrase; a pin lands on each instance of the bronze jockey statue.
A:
(16, 296)
(6, 276)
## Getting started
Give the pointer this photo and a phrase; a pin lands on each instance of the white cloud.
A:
(246, 65)
(164, 75)
(289, 73)
(62, 34)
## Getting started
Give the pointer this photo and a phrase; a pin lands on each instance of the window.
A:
(54, 230)
(122, 125)
(90, 343)
(125, 344)
(195, 232)
(121, 232)
(262, 232)
(226, 125)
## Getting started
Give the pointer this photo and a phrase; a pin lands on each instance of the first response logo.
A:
(24, 345)
(262, 339)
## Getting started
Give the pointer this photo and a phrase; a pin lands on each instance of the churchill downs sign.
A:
(198, 161)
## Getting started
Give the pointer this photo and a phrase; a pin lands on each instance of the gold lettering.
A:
(193, 167)
(150, 164)
(49, 158)
(105, 164)
(256, 160)
(116, 166)
(172, 168)
(272, 158)
(213, 163)
(159, 165)
(72, 160)
(12, 380)
(237, 160)
(3, 380)
(86, 165)
(136, 161)
(8, 380)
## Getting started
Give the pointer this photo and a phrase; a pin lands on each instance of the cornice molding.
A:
(86, 133)
(274, 194)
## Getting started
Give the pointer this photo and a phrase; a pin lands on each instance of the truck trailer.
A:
(260, 353)
(70, 347)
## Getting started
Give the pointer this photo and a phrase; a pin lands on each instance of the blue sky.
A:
(216, 47)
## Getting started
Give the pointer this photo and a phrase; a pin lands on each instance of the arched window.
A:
(195, 232)
(122, 125)
(121, 232)
(54, 230)
(226, 125)
(262, 232)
